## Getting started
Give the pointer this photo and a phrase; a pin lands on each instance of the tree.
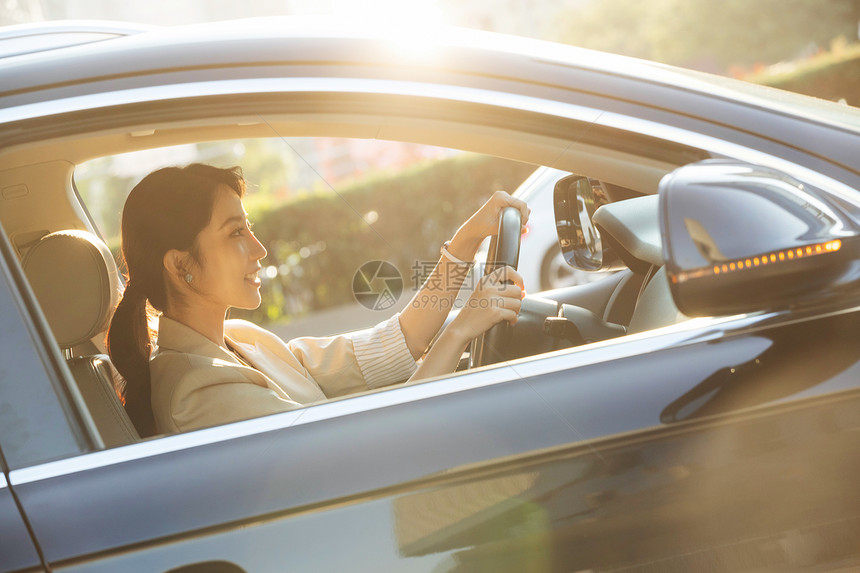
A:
(710, 34)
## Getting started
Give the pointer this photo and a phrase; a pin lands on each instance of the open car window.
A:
(328, 210)
(352, 228)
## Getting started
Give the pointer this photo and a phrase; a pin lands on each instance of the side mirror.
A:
(574, 201)
(741, 238)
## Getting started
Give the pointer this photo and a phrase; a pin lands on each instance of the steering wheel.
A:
(489, 347)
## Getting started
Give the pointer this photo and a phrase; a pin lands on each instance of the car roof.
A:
(53, 35)
(288, 67)
(138, 49)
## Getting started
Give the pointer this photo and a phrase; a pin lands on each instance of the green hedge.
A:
(317, 243)
(830, 76)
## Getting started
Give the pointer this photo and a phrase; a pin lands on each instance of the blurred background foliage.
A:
(713, 35)
(833, 75)
(317, 243)
(716, 36)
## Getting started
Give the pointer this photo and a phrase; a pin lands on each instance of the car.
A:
(698, 409)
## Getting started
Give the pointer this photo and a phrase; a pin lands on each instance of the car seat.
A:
(75, 280)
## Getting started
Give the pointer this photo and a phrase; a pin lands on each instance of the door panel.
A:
(578, 468)
(17, 552)
(774, 490)
(78, 514)
(763, 491)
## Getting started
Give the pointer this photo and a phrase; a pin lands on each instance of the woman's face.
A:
(226, 274)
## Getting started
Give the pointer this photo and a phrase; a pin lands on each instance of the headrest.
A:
(634, 228)
(75, 280)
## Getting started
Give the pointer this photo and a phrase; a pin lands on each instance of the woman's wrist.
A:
(458, 333)
(463, 248)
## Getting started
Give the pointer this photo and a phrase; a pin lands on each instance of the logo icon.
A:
(377, 285)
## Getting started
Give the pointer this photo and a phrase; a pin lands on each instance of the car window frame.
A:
(84, 430)
(179, 101)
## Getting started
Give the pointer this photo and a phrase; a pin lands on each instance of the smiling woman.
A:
(189, 250)
(150, 232)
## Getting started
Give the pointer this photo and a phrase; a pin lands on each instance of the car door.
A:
(749, 489)
(17, 551)
(586, 459)
(622, 455)
(736, 453)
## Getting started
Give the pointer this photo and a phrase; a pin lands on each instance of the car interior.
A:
(75, 279)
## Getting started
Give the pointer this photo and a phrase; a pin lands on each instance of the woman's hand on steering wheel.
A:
(485, 222)
(495, 299)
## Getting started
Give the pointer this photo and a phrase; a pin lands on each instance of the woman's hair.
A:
(166, 210)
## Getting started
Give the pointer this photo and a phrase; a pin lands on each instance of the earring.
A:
(189, 278)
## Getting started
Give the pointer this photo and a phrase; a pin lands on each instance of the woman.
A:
(189, 251)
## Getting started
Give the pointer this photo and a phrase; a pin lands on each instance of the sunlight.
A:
(410, 24)
(392, 13)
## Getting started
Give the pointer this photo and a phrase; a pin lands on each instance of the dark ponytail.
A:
(166, 210)
(129, 343)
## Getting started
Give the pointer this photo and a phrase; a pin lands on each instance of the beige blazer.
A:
(197, 383)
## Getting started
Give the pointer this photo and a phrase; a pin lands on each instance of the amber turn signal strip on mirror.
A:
(773, 258)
